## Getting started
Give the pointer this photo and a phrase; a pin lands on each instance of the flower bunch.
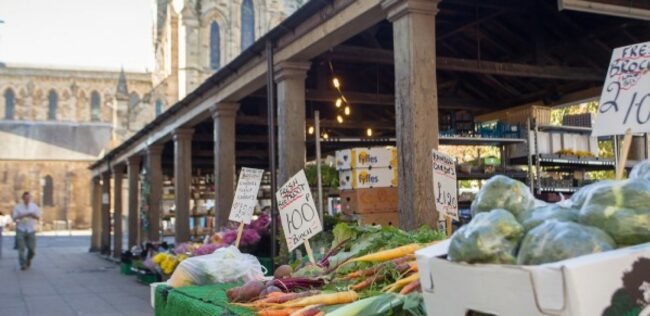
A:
(207, 249)
(168, 262)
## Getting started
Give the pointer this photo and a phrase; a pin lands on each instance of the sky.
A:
(101, 34)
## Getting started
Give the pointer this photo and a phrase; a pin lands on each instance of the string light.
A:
(369, 132)
(347, 110)
(326, 136)
(339, 102)
(339, 119)
(310, 130)
(336, 83)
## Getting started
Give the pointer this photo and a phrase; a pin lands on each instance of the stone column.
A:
(155, 178)
(133, 167)
(118, 175)
(290, 79)
(224, 115)
(96, 209)
(106, 213)
(416, 106)
(182, 181)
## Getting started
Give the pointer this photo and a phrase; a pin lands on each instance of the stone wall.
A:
(70, 184)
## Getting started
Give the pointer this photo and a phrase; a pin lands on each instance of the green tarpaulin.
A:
(196, 300)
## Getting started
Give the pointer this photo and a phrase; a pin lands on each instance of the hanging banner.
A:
(245, 200)
(625, 100)
(445, 189)
(297, 211)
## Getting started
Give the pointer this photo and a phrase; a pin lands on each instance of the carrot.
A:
(401, 283)
(410, 287)
(275, 294)
(389, 254)
(278, 299)
(320, 314)
(373, 270)
(277, 312)
(324, 299)
(310, 310)
(368, 282)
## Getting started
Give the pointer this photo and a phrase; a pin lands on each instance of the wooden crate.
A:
(519, 115)
(364, 201)
(383, 219)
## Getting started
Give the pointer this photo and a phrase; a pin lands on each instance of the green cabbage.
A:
(555, 241)
(620, 208)
(505, 193)
(535, 217)
(490, 237)
(641, 171)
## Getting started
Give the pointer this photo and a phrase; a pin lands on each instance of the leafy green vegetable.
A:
(342, 232)
(555, 241)
(504, 193)
(489, 238)
(535, 217)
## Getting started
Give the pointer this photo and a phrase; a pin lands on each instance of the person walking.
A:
(26, 215)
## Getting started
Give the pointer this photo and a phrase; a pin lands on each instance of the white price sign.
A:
(625, 101)
(445, 190)
(245, 199)
(297, 211)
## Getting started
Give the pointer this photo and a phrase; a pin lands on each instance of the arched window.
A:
(247, 24)
(48, 191)
(159, 107)
(95, 107)
(53, 103)
(215, 46)
(10, 103)
(134, 99)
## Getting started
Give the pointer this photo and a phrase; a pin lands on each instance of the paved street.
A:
(67, 280)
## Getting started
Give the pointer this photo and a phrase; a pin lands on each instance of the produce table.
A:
(196, 300)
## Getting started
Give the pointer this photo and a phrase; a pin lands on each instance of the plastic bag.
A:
(222, 266)
(641, 171)
(555, 241)
(579, 198)
(620, 208)
(490, 237)
(503, 192)
(535, 217)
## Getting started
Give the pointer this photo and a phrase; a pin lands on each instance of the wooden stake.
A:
(622, 160)
(240, 230)
(310, 253)
(448, 226)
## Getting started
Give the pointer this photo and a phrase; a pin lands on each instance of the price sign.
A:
(297, 211)
(444, 184)
(245, 199)
(625, 100)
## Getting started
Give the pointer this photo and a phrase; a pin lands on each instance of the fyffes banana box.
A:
(364, 178)
(366, 157)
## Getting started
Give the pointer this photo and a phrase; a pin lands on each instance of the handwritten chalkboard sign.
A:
(245, 199)
(444, 184)
(625, 100)
(297, 211)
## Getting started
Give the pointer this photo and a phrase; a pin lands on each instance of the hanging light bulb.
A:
(347, 110)
(369, 132)
(339, 119)
(310, 130)
(326, 136)
(339, 102)
(336, 83)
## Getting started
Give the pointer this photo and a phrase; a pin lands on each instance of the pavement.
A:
(65, 279)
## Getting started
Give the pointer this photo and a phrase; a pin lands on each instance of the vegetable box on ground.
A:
(609, 283)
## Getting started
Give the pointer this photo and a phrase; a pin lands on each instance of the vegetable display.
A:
(503, 193)
(536, 216)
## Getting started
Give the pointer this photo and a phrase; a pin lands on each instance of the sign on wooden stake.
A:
(245, 200)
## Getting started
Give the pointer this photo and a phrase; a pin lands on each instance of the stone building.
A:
(54, 122)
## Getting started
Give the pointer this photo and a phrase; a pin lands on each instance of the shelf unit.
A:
(201, 218)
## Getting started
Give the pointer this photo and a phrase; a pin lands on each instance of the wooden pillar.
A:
(155, 178)
(290, 80)
(118, 176)
(182, 182)
(96, 209)
(106, 213)
(133, 167)
(223, 115)
(416, 106)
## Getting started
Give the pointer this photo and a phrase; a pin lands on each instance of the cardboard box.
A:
(364, 178)
(582, 286)
(383, 219)
(366, 157)
(363, 201)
